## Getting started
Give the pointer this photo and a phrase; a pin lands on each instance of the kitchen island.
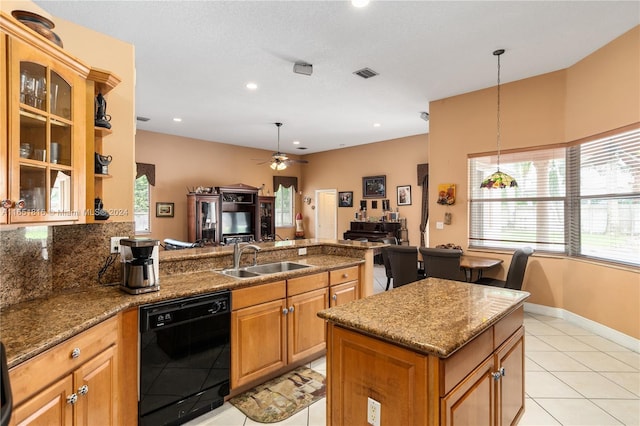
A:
(434, 352)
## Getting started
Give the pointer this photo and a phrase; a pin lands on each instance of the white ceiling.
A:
(194, 58)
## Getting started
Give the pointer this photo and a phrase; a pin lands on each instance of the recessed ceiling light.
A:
(252, 86)
(377, 124)
(359, 3)
(296, 142)
(177, 119)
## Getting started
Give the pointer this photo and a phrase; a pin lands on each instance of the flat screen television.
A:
(236, 223)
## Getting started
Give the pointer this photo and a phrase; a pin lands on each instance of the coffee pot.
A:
(140, 266)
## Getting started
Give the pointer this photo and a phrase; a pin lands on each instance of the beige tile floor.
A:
(573, 377)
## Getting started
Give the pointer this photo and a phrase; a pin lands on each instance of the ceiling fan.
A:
(279, 160)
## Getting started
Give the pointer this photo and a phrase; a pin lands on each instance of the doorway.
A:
(326, 213)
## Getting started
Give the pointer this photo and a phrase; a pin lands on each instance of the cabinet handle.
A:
(83, 390)
(285, 311)
(496, 375)
(72, 399)
(75, 353)
(334, 297)
(6, 204)
(502, 371)
(290, 309)
(345, 275)
(20, 204)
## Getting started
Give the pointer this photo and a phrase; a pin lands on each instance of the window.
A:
(284, 206)
(579, 200)
(141, 203)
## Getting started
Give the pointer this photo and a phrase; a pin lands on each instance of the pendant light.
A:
(278, 161)
(499, 179)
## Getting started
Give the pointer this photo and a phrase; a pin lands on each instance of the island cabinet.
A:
(276, 325)
(424, 366)
(343, 285)
(74, 383)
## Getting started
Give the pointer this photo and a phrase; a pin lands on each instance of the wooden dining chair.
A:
(404, 264)
(442, 263)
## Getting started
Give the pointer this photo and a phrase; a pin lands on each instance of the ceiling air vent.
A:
(140, 118)
(366, 73)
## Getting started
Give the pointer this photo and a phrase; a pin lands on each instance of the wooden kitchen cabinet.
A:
(306, 296)
(74, 383)
(274, 325)
(45, 128)
(98, 81)
(482, 383)
(344, 285)
(203, 218)
(258, 332)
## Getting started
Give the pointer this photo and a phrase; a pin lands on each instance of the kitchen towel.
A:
(282, 397)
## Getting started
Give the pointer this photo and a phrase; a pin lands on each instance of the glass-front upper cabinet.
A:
(46, 153)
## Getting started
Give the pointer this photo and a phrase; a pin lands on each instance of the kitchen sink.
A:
(273, 268)
(239, 273)
(266, 269)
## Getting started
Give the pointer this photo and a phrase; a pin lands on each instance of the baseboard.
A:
(590, 325)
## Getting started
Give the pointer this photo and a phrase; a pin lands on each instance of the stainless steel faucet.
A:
(237, 253)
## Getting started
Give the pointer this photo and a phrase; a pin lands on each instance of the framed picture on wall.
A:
(374, 186)
(164, 209)
(404, 195)
(345, 199)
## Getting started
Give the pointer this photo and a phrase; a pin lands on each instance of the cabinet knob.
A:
(285, 311)
(6, 204)
(75, 353)
(496, 375)
(291, 309)
(502, 371)
(20, 204)
(345, 275)
(83, 390)
(334, 297)
(72, 399)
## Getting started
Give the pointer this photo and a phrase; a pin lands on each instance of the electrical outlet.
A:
(302, 251)
(373, 412)
(439, 225)
(115, 244)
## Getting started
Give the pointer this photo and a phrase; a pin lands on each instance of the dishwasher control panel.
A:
(177, 311)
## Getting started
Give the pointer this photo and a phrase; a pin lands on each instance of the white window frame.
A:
(555, 212)
(137, 212)
(284, 217)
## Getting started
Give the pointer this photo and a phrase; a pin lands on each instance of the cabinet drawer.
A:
(307, 283)
(340, 276)
(258, 294)
(457, 366)
(32, 375)
(507, 326)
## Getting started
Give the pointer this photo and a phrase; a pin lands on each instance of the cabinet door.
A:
(48, 407)
(46, 110)
(306, 331)
(4, 194)
(96, 386)
(472, 401)
(510, 393)
(258, 340)
(343, 293)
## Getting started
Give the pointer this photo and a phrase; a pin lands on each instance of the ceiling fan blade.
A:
(291, 160)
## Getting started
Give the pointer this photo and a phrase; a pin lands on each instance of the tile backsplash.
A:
(36, 261)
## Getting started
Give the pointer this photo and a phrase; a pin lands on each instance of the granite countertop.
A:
(432, 316)
(32, 327)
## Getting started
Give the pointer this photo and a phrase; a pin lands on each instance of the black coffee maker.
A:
(140, 272)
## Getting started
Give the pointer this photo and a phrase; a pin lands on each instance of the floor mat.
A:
(281, 397)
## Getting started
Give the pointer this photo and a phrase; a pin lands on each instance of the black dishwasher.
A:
(184, 358)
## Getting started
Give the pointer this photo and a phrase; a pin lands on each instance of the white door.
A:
(326, 213)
